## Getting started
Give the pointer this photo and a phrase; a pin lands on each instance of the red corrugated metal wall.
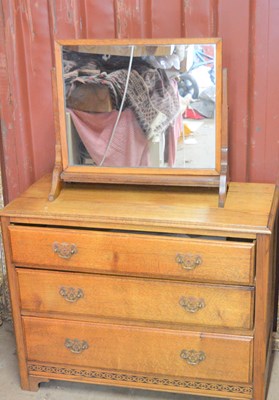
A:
(250, 33)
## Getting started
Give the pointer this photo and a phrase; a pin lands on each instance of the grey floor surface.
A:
(57, 390)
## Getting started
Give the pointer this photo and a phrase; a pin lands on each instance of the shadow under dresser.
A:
(144, 287)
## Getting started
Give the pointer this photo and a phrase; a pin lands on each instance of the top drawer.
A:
(133, 254)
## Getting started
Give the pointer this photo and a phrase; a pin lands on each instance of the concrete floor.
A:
(57, 390)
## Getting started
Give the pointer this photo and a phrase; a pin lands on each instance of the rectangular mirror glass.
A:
(139, 107)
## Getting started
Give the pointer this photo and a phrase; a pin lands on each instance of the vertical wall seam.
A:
(148, 17)
(51, 12)
(251, 84)
(267, 86)
(215, 6)
(182, 19)
(115, 9)
(83, 19)
(26, 115)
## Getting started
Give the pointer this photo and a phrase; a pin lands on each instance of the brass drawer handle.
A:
(191, 304)
(71, 294)
(76, 346)
(193, 357)
(188, 261)
(64, 250)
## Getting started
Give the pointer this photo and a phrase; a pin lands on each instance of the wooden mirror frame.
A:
(216, 177)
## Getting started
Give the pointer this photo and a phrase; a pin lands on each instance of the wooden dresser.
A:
(153, 288)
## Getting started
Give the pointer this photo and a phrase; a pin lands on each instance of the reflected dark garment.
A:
(129, 147)
(74, 60)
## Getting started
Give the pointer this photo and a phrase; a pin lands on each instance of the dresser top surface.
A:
(249, 208)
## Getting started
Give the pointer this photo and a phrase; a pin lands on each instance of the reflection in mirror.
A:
(141, 106)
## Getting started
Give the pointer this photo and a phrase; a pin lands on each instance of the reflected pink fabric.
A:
(174, 131)
(129, 147)
(173, 135)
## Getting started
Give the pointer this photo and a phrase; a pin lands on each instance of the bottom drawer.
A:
(139, 350)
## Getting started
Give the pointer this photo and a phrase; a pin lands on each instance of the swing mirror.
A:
(139, 111)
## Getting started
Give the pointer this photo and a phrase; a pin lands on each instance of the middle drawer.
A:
(135, 299)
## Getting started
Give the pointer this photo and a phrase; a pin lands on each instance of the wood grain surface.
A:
(139, 349)
(147, 300)
(136, 254)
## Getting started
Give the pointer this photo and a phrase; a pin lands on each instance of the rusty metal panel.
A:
(200, 18)
(263, 133)
(26, 111)
(250, 33)
(235, 32)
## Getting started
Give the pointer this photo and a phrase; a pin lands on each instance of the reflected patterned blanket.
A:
(150, 94)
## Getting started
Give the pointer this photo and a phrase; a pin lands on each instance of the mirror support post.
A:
(224, 174)
(56, 183)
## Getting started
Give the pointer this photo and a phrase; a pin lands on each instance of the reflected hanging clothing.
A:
(150, 95)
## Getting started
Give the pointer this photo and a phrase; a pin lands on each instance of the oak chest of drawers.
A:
(141, 287)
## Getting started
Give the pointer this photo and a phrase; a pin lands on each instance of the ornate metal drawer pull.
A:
(188, 261)
(64, 250)
(191, 304)
(76, 346)
(193, 357)
(71, 294)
